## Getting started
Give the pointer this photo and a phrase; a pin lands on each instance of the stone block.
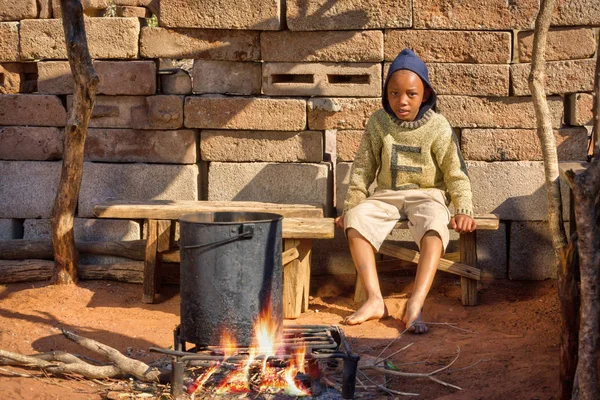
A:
(561, 77)
(28, 188)
(107, 38)
(31, 143)
(11, 10)
(241, 78)
(11, 78)
(252, 146)
(475, 14)
(45, 9)
(322, 79)
(347, 143)
(9, 41)
(205, 44)
(576, 12)
(341, 113)
(495, 112)
(492, 253)
(91, 8)
(268, 182)
(513, 190)
(31, 109)
(579, 109)
(332, 256)
(222, 14)
(102, 182)
(178, 83)
(318, 15)
(137, 112)
(116, 77)
(133, 12)
(531, 256)
(521, 144)
(468, 79)
(451, 46)
(562, 44)
(332, 46)
(87, 229)
(217, 112)
(10, 229)
(145, 146)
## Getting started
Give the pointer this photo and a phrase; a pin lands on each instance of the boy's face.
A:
(406, 92)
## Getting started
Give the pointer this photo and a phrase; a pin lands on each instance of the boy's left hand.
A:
(462, 223)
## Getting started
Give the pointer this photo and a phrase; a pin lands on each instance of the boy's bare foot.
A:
(413, 317)
(371, 309)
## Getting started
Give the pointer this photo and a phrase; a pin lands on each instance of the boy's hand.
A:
(339, 222)
(462, 223)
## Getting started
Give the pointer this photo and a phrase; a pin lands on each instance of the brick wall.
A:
(266, 100)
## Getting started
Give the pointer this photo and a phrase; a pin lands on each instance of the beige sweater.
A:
(401, 155)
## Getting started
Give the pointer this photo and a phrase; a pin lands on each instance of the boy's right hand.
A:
(339, 222)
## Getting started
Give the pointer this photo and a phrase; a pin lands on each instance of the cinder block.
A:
(137, 112)
(31, 109)
(11, 10)
(347, 143)
(10, 229)
(86, 230)
(531, 256)
(178, 83)
(579, 109)
(333, 46)
(495, 112)
(577, 12)
(275, 183)
(11, 78)
(562, 44)
(475, 14)
(332, 256)
(135, 12)
(222, 14)
(91, 8)
(468, 79)
(30, 143)
(561, 77)
(240, 146)
(107, 38)
(318, 15)
(116, 77)
(451, 46)
(242, 78)
(492, 253)
(521, 144)
(217, 112)
(205, 44)
(341, 113)
(324, 79)
(403, 238)
(513, 190)
(102, 182)
(128, 145)
(28, 188)
(9, 41)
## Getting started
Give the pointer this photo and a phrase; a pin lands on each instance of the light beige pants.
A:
(376, 216)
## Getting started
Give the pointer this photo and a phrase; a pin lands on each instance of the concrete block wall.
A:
(267, 100)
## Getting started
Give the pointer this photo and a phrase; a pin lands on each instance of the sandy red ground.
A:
(514, 334)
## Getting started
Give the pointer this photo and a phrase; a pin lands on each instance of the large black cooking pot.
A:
(230, 271)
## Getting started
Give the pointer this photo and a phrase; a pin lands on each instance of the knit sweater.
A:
(422, 154)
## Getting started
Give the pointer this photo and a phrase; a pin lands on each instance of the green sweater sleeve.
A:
(449, 159)
(364, 168)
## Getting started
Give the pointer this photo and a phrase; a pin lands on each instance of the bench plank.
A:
(171, 209)
(486, 222)
(308, 228)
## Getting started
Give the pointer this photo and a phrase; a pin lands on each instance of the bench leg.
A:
(150, 262)
(468, 255)
(296, 278)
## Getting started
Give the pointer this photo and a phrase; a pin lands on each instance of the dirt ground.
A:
(511, 337)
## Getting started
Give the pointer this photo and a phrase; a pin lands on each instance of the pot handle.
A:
(247, 231)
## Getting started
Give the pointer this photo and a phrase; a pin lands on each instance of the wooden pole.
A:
(86, 83)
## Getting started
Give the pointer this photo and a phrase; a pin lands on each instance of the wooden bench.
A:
(301, 224)
(463, 263)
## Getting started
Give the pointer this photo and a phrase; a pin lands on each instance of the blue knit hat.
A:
(407, 59)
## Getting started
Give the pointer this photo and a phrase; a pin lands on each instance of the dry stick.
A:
(467, 367)
(385, 389)
(450, 325)
(424, 361)
(394, 353)
(8, 371)
(130, 366)
(393, 340)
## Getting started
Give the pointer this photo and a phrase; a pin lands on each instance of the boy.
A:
(411, 151)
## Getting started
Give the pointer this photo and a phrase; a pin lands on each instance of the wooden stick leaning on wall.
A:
(86, 83)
